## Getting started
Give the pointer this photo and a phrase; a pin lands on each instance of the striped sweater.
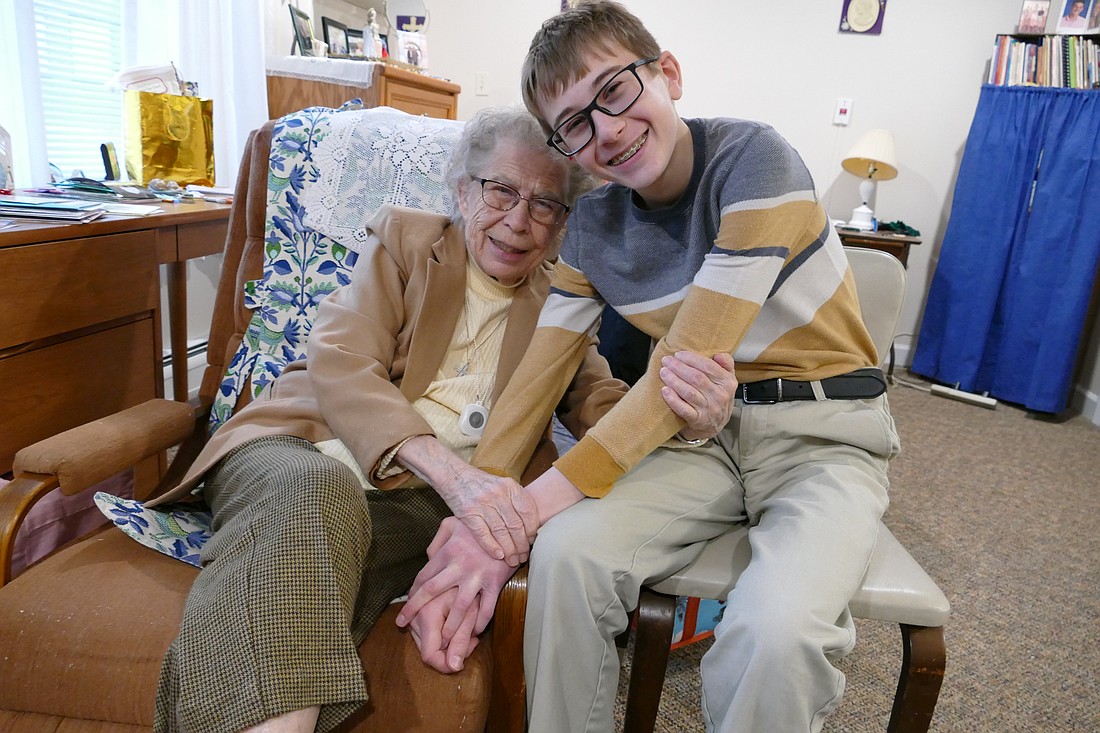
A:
(745, 262)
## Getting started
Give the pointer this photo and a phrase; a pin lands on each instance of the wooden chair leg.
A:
(508, 697)
(924, 658)
(656, 613)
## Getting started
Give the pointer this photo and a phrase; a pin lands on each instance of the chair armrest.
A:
(93, 452)
(16, 500)
(508, 698)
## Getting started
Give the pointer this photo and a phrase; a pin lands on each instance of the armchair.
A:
(83, 632)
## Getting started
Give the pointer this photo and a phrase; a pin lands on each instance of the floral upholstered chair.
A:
(82, 633)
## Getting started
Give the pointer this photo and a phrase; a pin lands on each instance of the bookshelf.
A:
(1063, 61)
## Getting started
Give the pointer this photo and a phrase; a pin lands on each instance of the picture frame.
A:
(336, 36)
(356, 45)
(1074, 17)
(862, 16)
(412, 48)
(303, 32)
(1033, 17)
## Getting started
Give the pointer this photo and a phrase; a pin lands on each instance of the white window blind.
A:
(79, 51)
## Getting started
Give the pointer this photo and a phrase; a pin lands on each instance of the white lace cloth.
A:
(374, 157)
(347, 71)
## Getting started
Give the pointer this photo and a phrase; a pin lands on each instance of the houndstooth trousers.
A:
(301, 564)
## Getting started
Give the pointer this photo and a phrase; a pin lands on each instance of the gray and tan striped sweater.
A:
(746, 262)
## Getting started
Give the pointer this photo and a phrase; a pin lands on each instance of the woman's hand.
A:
(497, 511)
(699, 390)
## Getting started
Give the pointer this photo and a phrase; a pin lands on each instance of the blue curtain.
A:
(1007, 304)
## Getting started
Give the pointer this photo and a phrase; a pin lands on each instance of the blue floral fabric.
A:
(178, 533)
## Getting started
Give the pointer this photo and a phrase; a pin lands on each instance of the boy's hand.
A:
(457, 561)
(427, 631)
(699, 390)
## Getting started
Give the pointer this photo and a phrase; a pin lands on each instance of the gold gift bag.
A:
(169, 136)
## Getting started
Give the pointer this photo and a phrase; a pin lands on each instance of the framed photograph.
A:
(1074, 17)
(355, 43)
(303, 32)
(1033, 16)
(862, 16)
(414, 23)
(412, 48)
(336, 36)
(1094, 18)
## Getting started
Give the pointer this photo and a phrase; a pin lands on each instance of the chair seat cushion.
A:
(68, 650)
(895, 588)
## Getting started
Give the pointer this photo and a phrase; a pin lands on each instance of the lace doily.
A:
(374, 157)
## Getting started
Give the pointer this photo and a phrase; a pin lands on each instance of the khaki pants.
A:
(810, 480)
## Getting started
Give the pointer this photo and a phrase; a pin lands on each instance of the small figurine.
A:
(372, 41)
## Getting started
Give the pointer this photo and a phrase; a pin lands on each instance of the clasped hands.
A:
(475, 552)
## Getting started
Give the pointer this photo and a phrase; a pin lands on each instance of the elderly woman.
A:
(402, 368)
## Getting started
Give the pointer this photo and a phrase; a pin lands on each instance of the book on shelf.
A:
(1068, 61)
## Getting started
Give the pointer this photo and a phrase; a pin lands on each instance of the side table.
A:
(890, 242)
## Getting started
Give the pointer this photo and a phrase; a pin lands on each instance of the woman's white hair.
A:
(482, 136)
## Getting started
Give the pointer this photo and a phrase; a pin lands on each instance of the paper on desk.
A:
(131, 209)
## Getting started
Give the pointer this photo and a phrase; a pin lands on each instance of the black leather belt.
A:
(858, 385)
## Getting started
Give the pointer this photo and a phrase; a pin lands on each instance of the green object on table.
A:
(898, 226)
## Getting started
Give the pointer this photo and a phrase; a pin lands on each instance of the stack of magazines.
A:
(44, 208)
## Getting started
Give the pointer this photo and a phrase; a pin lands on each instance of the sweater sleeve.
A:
(760, 235)
(560, 343)
(351, 354)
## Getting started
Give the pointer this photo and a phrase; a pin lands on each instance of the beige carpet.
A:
(1001, 509)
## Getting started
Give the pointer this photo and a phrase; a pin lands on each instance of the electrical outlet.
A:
(481, 84)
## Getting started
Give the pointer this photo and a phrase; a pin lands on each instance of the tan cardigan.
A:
(377, 343)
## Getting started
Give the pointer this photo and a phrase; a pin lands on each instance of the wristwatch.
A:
(693, 443)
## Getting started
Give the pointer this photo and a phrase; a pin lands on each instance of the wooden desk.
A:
(390, 86)
(895, 244)
(80, 334)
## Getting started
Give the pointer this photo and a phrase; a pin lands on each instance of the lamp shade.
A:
(872, 157)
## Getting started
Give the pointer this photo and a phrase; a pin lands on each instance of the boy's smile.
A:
(647, 147)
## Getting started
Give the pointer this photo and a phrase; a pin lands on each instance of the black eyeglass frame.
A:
(586, 113)
(559, 217)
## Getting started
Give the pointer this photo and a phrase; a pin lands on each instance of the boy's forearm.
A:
(553, 493)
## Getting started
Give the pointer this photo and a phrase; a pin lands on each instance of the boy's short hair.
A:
(556, 56)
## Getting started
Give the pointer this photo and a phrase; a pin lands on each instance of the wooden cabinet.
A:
(390, 86)
(80, 317)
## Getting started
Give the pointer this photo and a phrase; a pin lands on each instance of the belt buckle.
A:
(766, 401)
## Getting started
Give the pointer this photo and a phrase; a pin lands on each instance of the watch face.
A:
(862, 14)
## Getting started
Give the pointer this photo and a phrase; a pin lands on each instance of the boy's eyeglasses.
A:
(503, 197)
(615, 97)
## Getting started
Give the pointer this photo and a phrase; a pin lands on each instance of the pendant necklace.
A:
(475, 414)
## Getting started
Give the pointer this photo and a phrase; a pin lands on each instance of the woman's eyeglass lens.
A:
(503, 197)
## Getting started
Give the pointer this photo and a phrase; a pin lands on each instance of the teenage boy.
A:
(709, 238)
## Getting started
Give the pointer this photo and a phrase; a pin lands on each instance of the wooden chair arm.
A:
(16, 500)
(93, 452)
(508, 700)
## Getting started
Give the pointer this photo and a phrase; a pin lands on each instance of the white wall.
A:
(786, 65)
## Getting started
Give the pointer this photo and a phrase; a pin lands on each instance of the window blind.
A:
(79, 51)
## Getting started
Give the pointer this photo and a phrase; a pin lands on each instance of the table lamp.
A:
(872, 158)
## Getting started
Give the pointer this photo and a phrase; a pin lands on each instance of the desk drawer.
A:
(45, 391)
(57, 287)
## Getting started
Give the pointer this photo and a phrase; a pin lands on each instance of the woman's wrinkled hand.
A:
(700, 390)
